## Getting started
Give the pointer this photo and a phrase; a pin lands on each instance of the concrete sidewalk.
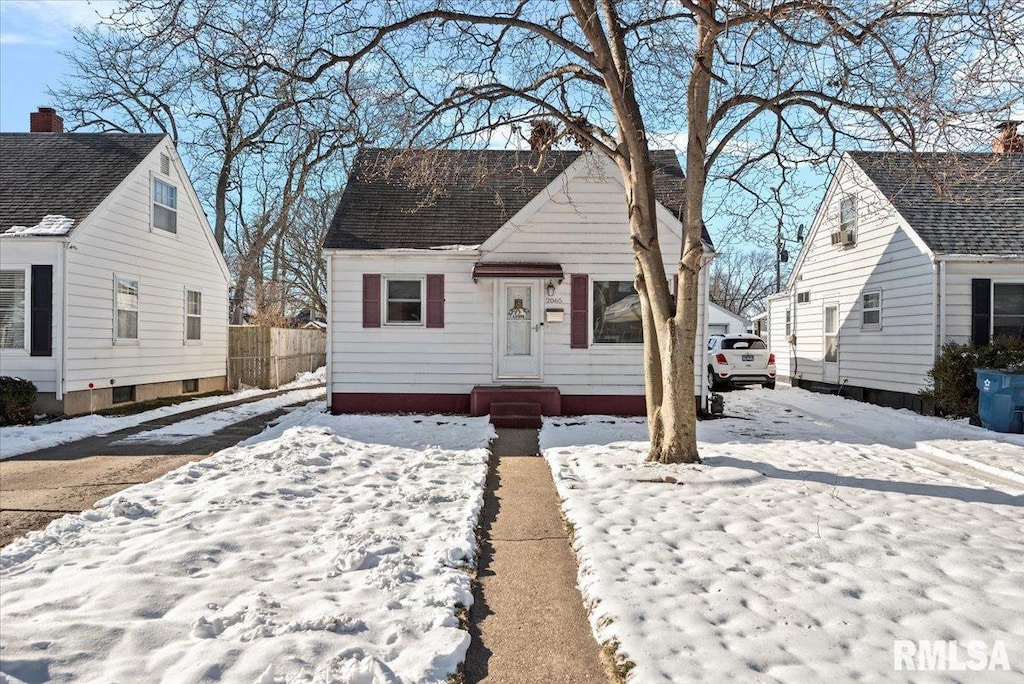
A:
(527, 622)
(41, 486)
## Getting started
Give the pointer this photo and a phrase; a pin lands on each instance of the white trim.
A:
(184, 333)
(537, 296)
(592, 281)
(153, 180)
(26, 322)
(871, 327)
(422, 279)
(117, 339)
(992, 303)
(329, 317)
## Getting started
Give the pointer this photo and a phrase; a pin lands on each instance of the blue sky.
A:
(32, 32)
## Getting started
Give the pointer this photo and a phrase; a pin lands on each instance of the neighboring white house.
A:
(112, 287)
(904, 255)
(721, 321)
(457, 278)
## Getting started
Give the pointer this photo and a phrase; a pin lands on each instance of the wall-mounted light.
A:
(551, 288)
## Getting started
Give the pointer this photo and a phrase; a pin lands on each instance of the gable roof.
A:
(418, 199)
(958, 203)
(65, 174)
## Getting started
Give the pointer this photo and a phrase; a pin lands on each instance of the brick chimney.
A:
(1008, 139)
(46, 120)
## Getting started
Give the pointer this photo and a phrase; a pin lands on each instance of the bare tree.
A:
(740, 280)
(758, 87)
(253, 137)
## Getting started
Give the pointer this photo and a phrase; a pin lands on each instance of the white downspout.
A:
(329, 315)
(65, 246)
(942, 306)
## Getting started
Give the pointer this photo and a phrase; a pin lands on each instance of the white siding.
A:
(583, 227)
(730, 323)
(117, 239)
(22, 253)
(393, 359)
(784, 352)
(958, 290)
(886, 258)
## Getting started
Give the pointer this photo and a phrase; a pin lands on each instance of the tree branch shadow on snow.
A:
(966, 494)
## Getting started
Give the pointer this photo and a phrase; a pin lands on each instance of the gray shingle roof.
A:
(433, 198)
(67, 173)
(959, 203)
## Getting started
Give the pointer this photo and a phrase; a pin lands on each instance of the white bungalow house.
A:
(462, 278)
(112, 287)
(903, 255)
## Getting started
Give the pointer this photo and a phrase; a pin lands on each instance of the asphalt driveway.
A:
(41, 486)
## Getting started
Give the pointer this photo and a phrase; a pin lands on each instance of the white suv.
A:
(740, 360)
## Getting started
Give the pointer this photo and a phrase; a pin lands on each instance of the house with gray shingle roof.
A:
(112, 287)
(906, 252)
(492, 281)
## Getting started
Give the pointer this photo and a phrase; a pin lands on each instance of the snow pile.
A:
(52, 224)
(329, 553)
(814, 535)
(319, 376)
(21, 439)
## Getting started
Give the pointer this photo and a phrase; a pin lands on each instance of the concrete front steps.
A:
(523, 415)
(515, 406)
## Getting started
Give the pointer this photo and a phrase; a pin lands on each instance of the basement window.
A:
(190, 386)
(123, 394)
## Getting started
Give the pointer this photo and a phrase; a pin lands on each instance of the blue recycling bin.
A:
(1001, 400)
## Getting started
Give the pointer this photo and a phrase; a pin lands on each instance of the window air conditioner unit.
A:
(843, 237)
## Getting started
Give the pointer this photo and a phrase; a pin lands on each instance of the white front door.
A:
(520, 322)
(830, 371)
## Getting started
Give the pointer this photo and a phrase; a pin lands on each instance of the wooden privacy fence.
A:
(265, 357)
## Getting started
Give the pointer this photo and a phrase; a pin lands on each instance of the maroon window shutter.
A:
(371, 300)
(578, 312)
(435, 301)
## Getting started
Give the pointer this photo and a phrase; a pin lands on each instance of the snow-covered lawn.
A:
(815, 534)
(328, 549)
(21, 439)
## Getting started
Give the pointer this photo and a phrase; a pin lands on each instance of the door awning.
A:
(551, 271)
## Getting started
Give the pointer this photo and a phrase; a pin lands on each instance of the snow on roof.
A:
(52, 224)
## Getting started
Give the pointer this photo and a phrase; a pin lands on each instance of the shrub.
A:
(16, 399)
(951, 381)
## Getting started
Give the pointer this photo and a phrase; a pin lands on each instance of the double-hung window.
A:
(403, 301)
(193, 315)
(165, 206)
(871, 310)
(12, 309)
(848, 213)
(617, 317)
(1007, 310)
(126, 304)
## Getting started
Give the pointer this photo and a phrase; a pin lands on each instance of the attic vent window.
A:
(803, 297)
(165, 165)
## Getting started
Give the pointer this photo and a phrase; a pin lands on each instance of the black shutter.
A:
(41, 307)
(981, 310)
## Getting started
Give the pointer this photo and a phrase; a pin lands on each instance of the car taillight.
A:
(720, 358)
(771, 359)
